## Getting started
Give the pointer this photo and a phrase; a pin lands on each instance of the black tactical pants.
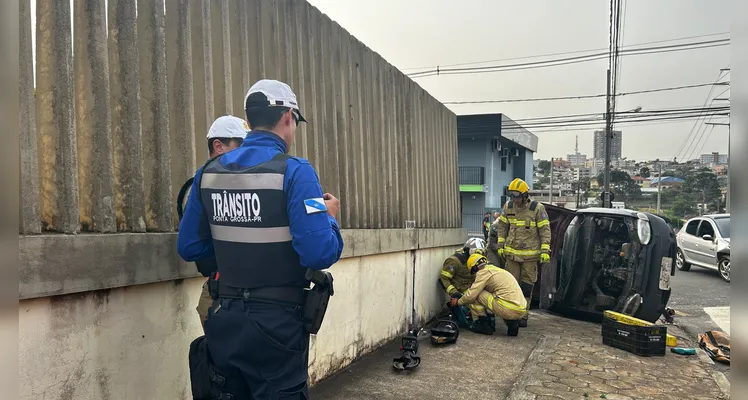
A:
(263, 345)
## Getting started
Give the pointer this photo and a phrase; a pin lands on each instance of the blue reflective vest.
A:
(256, 213)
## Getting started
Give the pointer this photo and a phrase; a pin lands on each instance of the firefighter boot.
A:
(527, 291)
(483, 325)
(512, 327)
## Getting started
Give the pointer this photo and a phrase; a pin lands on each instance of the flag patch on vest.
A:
(314, 206)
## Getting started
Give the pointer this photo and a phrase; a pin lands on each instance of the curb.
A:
(518, 391)
(718, 377)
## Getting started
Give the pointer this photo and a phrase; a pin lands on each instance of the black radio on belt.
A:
(213, 285)
(317, 299)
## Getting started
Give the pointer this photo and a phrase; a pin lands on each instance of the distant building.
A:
(720, 170)
(582, 173)
(713, 159)
(641, 181)
(561, 163)
(615, 148)
(576, 160)
(666, 181)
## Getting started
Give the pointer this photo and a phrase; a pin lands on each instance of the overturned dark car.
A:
(607, 259)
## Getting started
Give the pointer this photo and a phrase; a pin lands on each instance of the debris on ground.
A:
(717, 345)
(410, 358)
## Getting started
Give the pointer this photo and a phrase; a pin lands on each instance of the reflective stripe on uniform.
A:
(503, 219)
(545, 247)
(450, 288)
(242, 181)
(446, 274)
(516, 222)
(501, 240)
(504, 303)
(240, 234)
(510, 250)
(543, 223)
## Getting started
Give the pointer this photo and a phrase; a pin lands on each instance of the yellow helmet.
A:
(475, 260)
(518, 185)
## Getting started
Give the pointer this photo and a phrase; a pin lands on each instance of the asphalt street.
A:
(701, 300)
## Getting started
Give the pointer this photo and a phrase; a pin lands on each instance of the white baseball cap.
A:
(228, 126)
(276, 93)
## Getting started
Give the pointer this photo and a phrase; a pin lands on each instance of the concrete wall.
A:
(131, 342)
(129, 338)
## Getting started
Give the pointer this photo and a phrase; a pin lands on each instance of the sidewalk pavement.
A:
(554, 358)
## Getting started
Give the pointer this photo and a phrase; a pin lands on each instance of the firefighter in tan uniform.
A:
(496, 290)
(523, 237)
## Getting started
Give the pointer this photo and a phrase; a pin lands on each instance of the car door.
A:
(688, 242)
(706, 250)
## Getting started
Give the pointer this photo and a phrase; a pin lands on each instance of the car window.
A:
(723, 226)
(692, 227)
(706, 228)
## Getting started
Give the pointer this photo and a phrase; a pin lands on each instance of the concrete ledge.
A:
(62, 264)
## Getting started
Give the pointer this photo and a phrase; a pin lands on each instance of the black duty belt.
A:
(294, 295)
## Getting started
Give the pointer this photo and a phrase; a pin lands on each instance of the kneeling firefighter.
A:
(263, 215)
(497, 291)
(455, 277)
(523, 237)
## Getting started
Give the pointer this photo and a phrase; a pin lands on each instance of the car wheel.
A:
(724, 268)
(680, 261)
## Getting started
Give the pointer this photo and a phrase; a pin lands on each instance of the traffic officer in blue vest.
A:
(264, 216)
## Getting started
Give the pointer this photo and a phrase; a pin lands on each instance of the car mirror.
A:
(708, 238)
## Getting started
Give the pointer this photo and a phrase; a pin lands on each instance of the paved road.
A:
(701, 300)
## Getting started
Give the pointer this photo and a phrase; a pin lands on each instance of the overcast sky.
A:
(423, 33)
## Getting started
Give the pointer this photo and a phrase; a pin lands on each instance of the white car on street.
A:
(705, 242)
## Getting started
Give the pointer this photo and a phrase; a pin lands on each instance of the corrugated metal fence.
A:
(116, 119)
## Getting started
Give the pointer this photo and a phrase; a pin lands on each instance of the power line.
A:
(665, 111)
(571, 60)
(626, 113)
(590, 96)
(707, 139)
(693, 128)
(660, 122)
(600, 125)
(560, 53)
(584, 122)
(594, 123)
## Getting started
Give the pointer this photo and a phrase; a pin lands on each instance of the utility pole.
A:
(659, 183)
(727, 197)
(550, 185)
(608, 144)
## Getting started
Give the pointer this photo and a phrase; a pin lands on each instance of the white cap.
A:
(276, 93)
(228, 126)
